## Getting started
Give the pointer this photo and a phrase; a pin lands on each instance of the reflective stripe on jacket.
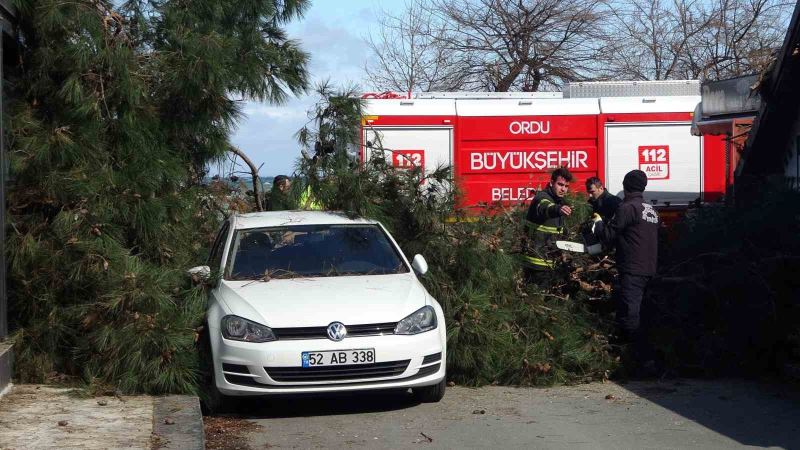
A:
(545, 223)
(537, 263)
(308, 202)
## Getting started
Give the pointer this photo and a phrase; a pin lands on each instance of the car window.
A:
(215, 258)
(312, 251)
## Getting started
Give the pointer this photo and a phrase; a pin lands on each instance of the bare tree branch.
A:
(691, 39)
(498, 45)
(520, 45)
(530, 45)
(254, 172)
(405, 54)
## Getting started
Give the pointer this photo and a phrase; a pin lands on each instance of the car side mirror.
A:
(419, 265)
(203, 272)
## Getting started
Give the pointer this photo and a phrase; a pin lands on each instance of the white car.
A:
(310, 301)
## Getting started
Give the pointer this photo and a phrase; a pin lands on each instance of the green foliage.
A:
(117, 109)
(500, 330)
(726, 300)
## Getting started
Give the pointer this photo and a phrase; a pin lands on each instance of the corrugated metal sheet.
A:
(594, 89)
(729, 97)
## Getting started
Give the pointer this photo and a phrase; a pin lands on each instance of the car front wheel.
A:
(430, 394)
(212, 401)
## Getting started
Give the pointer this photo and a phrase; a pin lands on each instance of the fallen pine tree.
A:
(500, 330)
(116, 114)
(116, 109)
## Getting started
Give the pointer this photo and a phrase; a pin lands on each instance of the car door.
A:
(218, 250)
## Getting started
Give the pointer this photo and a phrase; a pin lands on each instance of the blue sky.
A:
(332, 33)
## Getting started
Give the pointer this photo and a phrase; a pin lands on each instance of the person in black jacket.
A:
(545, 222)
(603, 203)
(634, 233)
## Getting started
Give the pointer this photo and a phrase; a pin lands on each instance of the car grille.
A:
(337, 373)
(372, 329)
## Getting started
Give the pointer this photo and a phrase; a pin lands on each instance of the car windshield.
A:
(312, 251)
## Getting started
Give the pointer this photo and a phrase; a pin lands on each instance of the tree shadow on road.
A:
(324, 404)
(762, 414)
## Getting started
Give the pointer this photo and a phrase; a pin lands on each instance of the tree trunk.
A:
(254, 172)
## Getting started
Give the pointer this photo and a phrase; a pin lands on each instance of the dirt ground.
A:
(667, 414)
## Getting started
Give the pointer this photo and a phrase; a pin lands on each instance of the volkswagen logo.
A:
(337, 331)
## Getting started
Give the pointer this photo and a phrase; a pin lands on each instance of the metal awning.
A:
(724, 101)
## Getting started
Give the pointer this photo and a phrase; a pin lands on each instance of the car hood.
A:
(312, 302)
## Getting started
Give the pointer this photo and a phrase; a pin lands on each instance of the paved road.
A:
(673, 414)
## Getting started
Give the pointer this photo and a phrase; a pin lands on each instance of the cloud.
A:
(333, 37)
(288, 113)
(267, 134)
(335, 50)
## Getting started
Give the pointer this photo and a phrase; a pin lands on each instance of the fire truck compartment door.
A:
(436, 143)
(668, 153)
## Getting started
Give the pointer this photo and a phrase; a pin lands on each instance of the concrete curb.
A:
(6, 368)
(178, 423)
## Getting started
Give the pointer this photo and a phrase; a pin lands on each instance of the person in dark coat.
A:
(545, 222)
(603, 203)
(634, 232)
(280, 198)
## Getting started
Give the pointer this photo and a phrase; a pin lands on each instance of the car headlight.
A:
(420, 321)
(239, 329)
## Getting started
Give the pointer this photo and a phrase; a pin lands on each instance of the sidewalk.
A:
(41, 417)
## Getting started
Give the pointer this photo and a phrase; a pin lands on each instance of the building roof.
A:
(768, 144)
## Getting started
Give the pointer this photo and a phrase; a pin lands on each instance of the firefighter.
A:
(603, 203)
(545, 222)
(308, 202)
(634, 232)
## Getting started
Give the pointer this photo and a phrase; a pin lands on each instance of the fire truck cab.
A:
(502, 146)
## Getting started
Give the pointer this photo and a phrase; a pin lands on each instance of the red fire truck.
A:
(502, 146)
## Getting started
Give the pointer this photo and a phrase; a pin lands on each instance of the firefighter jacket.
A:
(606, 205)
(544, 223)
(308, 202)
(634, 232)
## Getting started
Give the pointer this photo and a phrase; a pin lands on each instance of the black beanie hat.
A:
(634, 181)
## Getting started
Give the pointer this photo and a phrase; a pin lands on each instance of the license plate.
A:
(338, 357)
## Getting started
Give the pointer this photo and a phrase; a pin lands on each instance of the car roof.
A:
(284, 218)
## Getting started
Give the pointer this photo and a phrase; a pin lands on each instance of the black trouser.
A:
(538, 276)
(628, 296)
